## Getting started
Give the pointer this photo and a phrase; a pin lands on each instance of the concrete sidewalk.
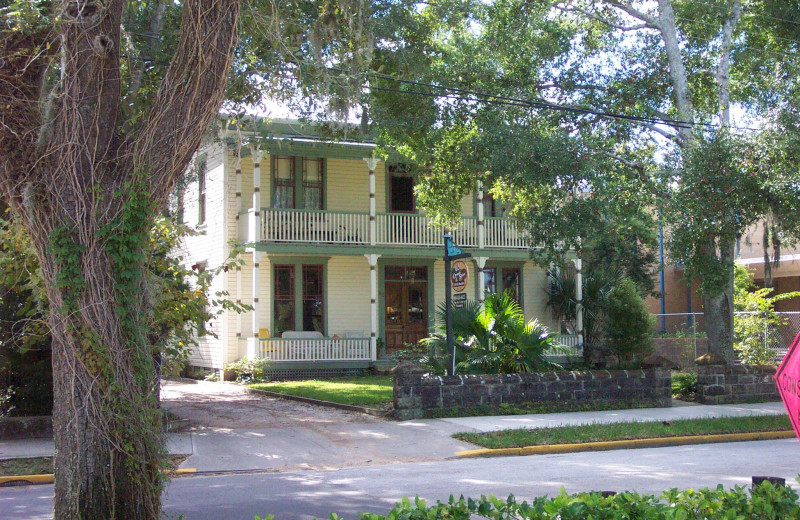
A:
(340, 445)
(177, 444)
(548, 420)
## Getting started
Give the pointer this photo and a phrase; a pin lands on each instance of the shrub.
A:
(491, 339)
(756, 315)
(629, 325)
(684, 385)
(764, 502)
(250, 371)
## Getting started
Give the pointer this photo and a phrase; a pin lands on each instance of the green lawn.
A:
(625, 431)
(44, 465)
(368, 391)
(31, 466)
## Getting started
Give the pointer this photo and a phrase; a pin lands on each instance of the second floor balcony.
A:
(387, 229)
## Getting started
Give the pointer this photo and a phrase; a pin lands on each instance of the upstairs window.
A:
(283, 182)
(401, 190)
(201, 192)
(298, 182)
(312, 183)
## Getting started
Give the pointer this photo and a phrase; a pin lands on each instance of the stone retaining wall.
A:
(25, 427)
(728, 384)
(417, 395)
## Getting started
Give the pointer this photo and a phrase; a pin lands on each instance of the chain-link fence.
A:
(682, 336)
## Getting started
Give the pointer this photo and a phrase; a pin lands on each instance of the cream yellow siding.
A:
(534, 294)
(348, 185)
(348, 295)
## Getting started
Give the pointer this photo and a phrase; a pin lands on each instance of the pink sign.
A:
(788, 379)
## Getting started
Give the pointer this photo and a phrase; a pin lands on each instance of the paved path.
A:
(229, 429)
(548, 420)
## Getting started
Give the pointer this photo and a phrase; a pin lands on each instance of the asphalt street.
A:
(315, 494)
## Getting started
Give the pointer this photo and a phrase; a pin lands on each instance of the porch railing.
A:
(415, 230)
(326, 349)
(394, 229)
(570, 344)
(292, 225)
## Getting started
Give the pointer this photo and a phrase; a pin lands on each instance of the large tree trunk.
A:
(106, 422)
(718, 308)
(86, 186)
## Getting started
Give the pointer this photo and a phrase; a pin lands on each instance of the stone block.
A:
(431, 396)
(714, 390)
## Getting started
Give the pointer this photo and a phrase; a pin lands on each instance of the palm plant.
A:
(598, 283)
(495, 338)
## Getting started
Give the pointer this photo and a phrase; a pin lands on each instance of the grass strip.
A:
(625, 431)
(368, 391)
(44, 465)
(28, 466)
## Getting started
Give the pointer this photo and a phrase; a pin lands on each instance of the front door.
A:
(406, 311)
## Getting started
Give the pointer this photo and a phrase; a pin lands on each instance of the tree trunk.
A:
(106, 425)
(85, 184)
(718, 309)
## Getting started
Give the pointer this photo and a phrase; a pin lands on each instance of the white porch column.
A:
(579, 297)
(373, 295)
(253, 349)
(372, 163)
(481, 224)
(238, 295)
(480, 261)
(257, 154)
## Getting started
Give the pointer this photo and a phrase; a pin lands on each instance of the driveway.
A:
(229, 429)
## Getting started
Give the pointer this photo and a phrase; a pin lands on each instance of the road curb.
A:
(308, 400)
(659, 442)
(47, 478)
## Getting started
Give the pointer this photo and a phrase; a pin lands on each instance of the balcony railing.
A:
(392, 229)
(326, 349)
(292, 225)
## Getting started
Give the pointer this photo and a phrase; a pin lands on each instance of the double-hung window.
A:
(201, 192)
(298, 182)
(283, 182)
(298, 303)
(508, 278)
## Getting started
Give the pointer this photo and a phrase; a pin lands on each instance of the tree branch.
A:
(601, 19)
(189, 96)
(640, 169)
(662, 132)
(24, 58)
(651, 22)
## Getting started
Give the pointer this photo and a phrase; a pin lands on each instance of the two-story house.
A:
(341, 267)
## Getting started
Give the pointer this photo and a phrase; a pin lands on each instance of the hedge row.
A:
(762, 502)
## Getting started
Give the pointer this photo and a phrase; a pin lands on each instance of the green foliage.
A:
(250, 370)
(756, 315)
(765, 502)
(684, 385)
(494, 338)
(598, 284)
(628, 323)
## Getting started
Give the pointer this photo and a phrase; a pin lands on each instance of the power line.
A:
(539, 104)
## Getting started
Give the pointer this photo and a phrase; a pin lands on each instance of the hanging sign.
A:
(788, 381)
(460, 300)
(459, 274)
